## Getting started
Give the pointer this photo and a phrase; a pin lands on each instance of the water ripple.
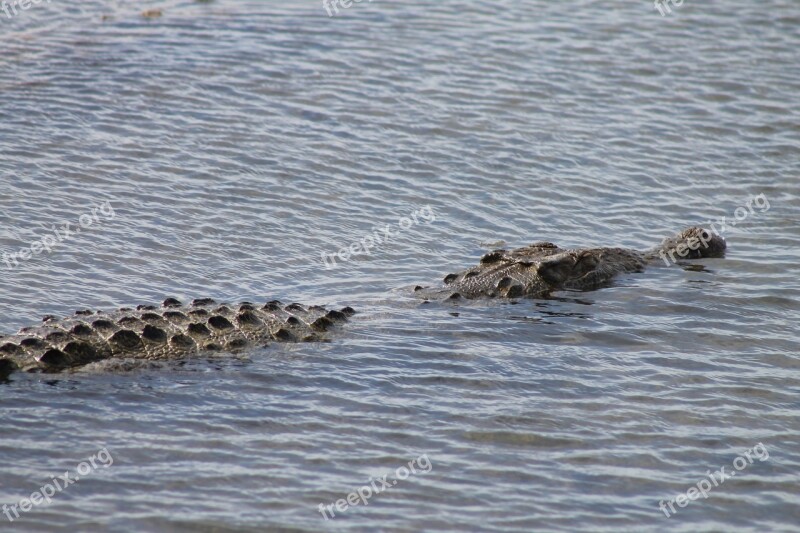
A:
(238, 142)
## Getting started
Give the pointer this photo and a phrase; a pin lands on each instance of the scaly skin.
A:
(169, 332)
(540, 268)
(175, 331)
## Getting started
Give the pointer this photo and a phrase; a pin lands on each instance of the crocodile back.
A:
(166, 332)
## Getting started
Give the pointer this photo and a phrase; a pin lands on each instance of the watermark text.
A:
(57, 484)
(60, 234)
(378, 237)
(362, 495)
(704, 486)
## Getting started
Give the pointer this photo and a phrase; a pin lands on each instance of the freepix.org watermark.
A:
(60, 234)
(740, 214)
(346, 4)
(10, 8)
(704, 486)
(44, 495)
(364, 493)
(663, 6)
(378, 238)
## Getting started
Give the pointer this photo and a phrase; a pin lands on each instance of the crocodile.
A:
(536, 270)
(174, 330)
(167, 332)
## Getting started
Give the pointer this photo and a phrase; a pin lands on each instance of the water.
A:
(236, 142)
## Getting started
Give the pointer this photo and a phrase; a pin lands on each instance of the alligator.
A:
(173, 330)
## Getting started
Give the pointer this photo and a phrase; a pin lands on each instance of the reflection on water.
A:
(238, 142)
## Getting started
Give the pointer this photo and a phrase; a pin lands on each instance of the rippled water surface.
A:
(237, 142)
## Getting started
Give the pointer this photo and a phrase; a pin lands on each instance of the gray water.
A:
(226, 146)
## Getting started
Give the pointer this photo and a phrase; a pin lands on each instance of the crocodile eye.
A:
(585, 264)
(567, 267)
(556, 272)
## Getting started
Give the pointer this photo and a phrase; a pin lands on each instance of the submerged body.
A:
(540, 268)
(169, 332)
(174, 330)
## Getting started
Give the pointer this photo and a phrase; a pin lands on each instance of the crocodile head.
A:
(536, 270)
